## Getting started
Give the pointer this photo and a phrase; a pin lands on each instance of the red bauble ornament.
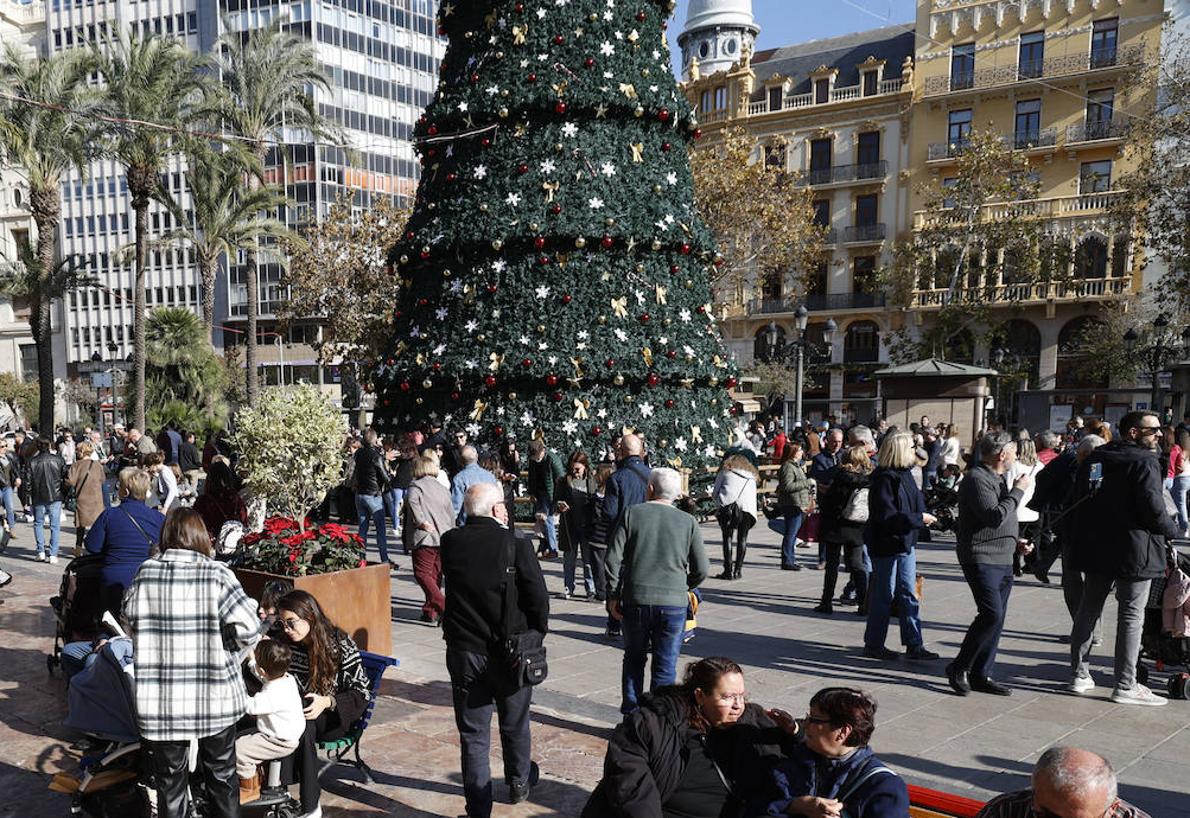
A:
(437, 366)
(560, 107)
(409, 235)
(653, 379)
(697, 133)
(539, 242)
(663, 115)
(640, 17)
(527, 362)
(452, 177)
(671, 354)
(589, 62)
(522, 168)
(433, 130)
(675, 269)
(567, 298)
(669, 403)
(498, 431)
(555, 208)
(489, 381)
(474, 78)
(596, 431)
(425, 254)
(485, 142)
(730, 383)
(519, 8)
(609, 363)
(432, 152)
(644, 317)
(685, 249)
(532, 77)
(557, 396)
(544, 261)
(390, 361)
(559, 39)
(456, 396)
(665, 146)
(551, 380)
(406, 386)
(702, 309)
(607, 242)
(421, 302)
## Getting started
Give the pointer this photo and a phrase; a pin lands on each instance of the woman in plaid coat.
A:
(191, 622)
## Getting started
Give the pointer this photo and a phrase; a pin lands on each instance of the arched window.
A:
(1090, 260)
(1019, 344)
(1073, 359)
(861, 344)
(761, 351)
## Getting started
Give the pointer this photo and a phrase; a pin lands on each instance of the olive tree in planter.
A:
(290, 443)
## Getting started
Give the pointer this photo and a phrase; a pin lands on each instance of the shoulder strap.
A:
(139, 527)
(510, 591)
(868, 771)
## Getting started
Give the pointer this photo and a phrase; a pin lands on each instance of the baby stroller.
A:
(1163, 648)
(78, 606)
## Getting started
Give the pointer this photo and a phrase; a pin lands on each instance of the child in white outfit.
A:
(279, 718)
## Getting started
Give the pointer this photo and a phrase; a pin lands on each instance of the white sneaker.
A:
(5, 577)
(40, 556)
(314, 813)
(1082, 685)
(1138, 695)
(53, 560)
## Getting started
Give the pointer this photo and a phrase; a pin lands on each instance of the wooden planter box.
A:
(358, 601)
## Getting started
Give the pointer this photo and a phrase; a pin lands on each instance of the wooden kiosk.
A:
(943, 390)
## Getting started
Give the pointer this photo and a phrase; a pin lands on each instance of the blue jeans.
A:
(9, 515)
(541, 506)
(370, 509)
(990, 586)
(393, 500)
(793, 523)
(54, 510)
(650, 627)
(1179, 490)
(893, 576)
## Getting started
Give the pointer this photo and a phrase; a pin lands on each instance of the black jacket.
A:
(834, 499)
(895, 506)
(188, 457)
(47, 474)
(1123, 530)
(473, 563)
(647, 755)
(370, 476)
(1055, 483)
(10, 470)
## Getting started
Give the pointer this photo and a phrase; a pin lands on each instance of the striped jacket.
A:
(190, 620)
(1019, 804)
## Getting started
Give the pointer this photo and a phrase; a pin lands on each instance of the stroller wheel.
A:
(1142, 673)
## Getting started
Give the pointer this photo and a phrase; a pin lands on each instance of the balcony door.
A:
(1104, 38)
(1032, 55)
(868, 152)
(962, 66)
(1100, 108)
(820, 161)
(958, 128)
(1028, 123)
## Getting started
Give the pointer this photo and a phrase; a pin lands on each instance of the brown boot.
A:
(250, 789)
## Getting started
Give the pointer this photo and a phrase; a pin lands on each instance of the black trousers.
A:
(477, 692)
(991, 586)
(598, 561)
(303, 766)
(168, 761)
(854, 555)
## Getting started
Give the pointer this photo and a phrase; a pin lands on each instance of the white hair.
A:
(1089, 444)
(481, 498)
(469, 455)
(1070, 770)
(666, 484)
(862, 434)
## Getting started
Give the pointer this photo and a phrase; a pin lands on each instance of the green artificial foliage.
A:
(555, 274)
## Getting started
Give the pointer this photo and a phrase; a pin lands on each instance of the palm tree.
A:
(267, 75)
(48, 130)
(226, 218)
(184, 372)
(151, 80)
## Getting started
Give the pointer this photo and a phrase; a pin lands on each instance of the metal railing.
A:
(1027, 140)
(1016, 72)
(864, 232)
(768, 306)
(1072, 289)
(817, 302)
(946, 150)
(1055, 207)
(1091, 131)
(831, 238)
(841, 94)
(861, 355)
(845, 173)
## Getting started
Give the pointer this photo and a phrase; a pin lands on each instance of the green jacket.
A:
(793, 487)
(656, 555)
(543, 477)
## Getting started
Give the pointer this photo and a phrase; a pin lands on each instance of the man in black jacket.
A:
(1122, 538)
(475, 566)
(47, 475)
(371, 481)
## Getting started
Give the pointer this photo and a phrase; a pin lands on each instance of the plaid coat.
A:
(190, 620)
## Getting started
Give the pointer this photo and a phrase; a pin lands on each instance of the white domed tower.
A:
(716, 32)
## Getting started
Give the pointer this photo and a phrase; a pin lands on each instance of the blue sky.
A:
(783, 22)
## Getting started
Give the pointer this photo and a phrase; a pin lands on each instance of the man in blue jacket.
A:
(627, 487)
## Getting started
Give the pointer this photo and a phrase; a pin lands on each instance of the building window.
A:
(1027, 131)
(818, 282)
(820, 161)
(822, 212)
(721, 98)
(704, 50)
(774, 156)
(1104, 36)
(958, 128)
(776, 94)
(948, 200)
(863, 274)
(1090, 260)
(868, 152)
(861, 344)
(1095, 177)
(1032, 55)
(706, 102)
(871, 83)
(962, 66)
(822, 91)
(1100, 107)
(866, 210)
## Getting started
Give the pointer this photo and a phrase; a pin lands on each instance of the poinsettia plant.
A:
(295, 549)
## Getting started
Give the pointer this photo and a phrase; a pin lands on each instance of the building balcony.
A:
(1105, 130)
(843, 174)
(795, 101)
(1009, 74)
(1025, 293)
(1042, 139)
(831, 238)
(1082, 205)
(823, 302)
(861, 355)
(864, 233)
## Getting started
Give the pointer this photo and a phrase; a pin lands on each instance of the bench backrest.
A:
(927, 803)
(374, 666)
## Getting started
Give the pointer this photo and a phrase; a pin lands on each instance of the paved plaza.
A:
(975, 746)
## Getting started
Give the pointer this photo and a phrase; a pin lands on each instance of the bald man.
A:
(1067, 783)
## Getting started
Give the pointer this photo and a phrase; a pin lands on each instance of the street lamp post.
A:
(1157, 353)
(797, 349)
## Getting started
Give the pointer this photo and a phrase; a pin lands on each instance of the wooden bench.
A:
(927, 803)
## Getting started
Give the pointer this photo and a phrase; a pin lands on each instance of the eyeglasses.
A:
(732, 698)
(810, 719)
(1149, 430)
(291, 623)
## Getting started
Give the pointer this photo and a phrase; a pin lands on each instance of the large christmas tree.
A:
(555, 274)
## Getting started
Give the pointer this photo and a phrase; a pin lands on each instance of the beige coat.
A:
(429, 502)
(86, 477)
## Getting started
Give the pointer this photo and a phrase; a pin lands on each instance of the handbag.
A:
(523, 654)
(856, 510)
(70, 501)
(811, 527)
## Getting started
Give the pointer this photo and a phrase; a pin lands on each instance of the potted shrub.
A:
(290, 446)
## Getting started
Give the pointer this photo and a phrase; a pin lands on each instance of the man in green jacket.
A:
(655, 557)
(545, 469)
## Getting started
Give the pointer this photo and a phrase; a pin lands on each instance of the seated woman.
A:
(126, 535)
(832, 769)
(219, 502)
(326, 665)
(690, 751)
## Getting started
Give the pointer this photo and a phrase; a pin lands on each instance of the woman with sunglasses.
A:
(326, 665)
(832, 769)
(693, 750)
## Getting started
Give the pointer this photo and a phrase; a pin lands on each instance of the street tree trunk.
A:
(252, 382)
(206, 272)
(140, 186)
(46, 206)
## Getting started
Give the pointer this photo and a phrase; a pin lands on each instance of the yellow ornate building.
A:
(873, 117)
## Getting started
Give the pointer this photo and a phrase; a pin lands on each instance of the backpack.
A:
(856, 509)
(228, 540)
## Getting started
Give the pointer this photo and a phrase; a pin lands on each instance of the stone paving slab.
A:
(973, 746)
